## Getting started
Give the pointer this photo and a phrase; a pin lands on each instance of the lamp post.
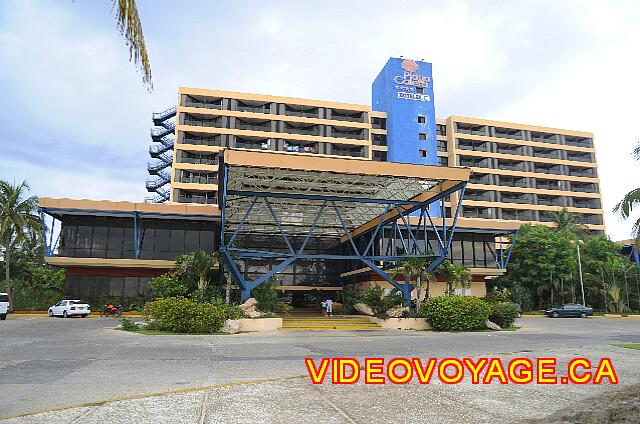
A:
(580, 274)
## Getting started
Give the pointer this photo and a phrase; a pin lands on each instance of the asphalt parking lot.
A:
(48, 363)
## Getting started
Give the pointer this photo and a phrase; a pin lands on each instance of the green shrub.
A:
(167, 285)
(498, 296)
(380, 303)
(128, 325)
(181, 315)
(504, 313)
(455, 313)
(269, 300)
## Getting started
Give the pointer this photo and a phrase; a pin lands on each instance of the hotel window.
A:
(423, 153)
(443, 161)
(422, 136)
(422, 119)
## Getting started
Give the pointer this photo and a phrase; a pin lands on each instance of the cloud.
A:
(76, 117)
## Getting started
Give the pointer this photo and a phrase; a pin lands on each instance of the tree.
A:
(129, 25)
(629, 202)
(196, 265)
(568, 222)
(456, 276)
(18, 218)
(416, 268)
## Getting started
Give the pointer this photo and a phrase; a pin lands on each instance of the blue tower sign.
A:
(404, 90)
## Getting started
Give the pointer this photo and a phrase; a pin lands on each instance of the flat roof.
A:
(65, 206)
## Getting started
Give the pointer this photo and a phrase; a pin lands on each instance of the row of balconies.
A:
(274, 144)
(531, 199)
(194, 196)
(538, 152)
(516, 134)
(274, 108)
(523, 215)
(527, 182)
(195, 177)
(525, 166)
(274, 126)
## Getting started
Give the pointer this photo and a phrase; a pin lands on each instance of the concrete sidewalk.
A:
(295, 399)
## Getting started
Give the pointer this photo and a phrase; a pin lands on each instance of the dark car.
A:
(569, 310)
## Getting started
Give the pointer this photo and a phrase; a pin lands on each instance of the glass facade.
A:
(113, 238)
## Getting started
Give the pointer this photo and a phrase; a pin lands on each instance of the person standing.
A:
(328, 305)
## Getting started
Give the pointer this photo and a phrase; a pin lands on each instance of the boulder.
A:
(231, 326)
(397, 311)
(249, 304)
(492, 325)
(253, 314)
(363, 309)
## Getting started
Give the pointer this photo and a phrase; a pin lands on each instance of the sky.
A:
(75, 116)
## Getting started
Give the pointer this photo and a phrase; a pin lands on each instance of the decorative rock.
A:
(492, 325)
(249, 304)
(253, 314)
(363, 309)
(397, 311)
(231, 326)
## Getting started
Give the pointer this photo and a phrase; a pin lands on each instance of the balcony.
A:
(512, 182)
(355, 135)
(253, 108)
(302, 130)
(582, 172)
(300, 147)
(197, 158)
(523, 199)
(473, 162)
(479, 179)
(478, 146)
(203, 141)
(547, 169)
(544, 137)
(584, 187)
(516, 215)
(511, 165)
(379, 139)
(196, 121)
(441, 129)
(578, 141)
(203, 102)
(257, 143)
(301, 112)
(546, 153)
(582, 203)
(379, 123)
(357, 152)
(339, 115)
(511, 150)
(509, 133)
(253, 126)
(549, 200)
(476, 212)
(471, 129)
(580, 157)
(478, 195)
(197, 178)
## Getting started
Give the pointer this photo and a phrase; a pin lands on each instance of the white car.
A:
(69, 308)
(4, 305)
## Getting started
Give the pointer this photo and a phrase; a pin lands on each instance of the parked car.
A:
(69, 308)
(569, 310)
(4, 305)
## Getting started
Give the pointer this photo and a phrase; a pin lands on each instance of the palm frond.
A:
(130, 27)
(636, 152)
(630, 201)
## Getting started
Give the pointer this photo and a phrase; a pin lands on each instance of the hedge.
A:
(455, 313)
(504, 313)
(181, 315)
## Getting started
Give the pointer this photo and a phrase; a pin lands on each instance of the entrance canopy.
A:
(297, 198)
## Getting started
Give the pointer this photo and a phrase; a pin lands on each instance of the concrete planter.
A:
(402, 323)
(260, 324)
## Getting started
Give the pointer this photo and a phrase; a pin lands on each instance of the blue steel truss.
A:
(397, 213)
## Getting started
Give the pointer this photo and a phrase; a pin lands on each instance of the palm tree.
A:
(454, 275)
(631, 200)
(566, 221)
(18, 218)
(129, 25)
(416, 268)
(200, 264)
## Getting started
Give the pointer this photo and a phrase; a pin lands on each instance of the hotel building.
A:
(299, 158)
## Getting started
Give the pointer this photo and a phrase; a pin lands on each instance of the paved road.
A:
(51, 362)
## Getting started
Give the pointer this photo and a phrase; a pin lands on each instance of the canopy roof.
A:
(265, 187)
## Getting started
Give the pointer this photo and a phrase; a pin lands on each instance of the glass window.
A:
(422, 136)
(421, 119)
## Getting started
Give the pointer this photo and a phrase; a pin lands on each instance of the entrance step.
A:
(329, 323)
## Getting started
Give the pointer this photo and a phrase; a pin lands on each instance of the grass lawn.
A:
(630, 346)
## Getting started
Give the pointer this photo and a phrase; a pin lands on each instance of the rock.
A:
(492, 325)
(253, 314)
(231, 326)
(249, 304)
(397, 311)
(363, 309)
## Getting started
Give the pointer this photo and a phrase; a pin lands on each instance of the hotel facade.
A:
(321, 195)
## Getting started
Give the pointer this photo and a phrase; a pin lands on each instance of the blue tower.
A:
(404, 90)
